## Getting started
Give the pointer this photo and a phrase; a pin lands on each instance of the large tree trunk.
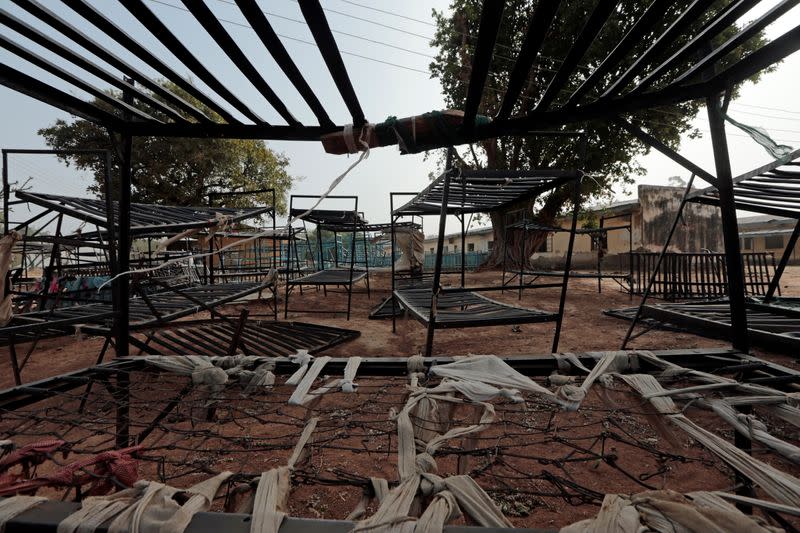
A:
(515, 246)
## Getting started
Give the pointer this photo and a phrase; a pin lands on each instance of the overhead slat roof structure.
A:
(331, 218)
(773, 189)
(481, 191)
(146, 219)
(678, 65)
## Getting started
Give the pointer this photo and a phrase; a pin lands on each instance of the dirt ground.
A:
(585, 327)
(524, 450)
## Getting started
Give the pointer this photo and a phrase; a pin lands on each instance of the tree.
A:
(612, 152)
(179, 171)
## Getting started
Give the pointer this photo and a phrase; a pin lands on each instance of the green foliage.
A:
(612, 155)
(180, 171)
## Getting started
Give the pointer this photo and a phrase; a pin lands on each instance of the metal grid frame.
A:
(594, 233)
(480, 191)
(253, 337)
(661, 74)
(337, 221)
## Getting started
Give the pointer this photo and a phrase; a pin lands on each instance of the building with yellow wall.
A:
(650, 217)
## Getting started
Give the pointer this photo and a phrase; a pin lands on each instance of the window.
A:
(455, 248)
(490, 245)
(773, 241)
(451, 240)
(747, 243)
(433, 250)
(445, 249)
(471, 247)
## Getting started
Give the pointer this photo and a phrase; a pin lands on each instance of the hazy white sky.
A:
(398, 85)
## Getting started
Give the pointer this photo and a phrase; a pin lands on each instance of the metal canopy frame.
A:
(660, 75)
(212, 337)
(459, 192)
(596, 234)
(137, 426)
(483, 190)
(769, 189)
(654, 77)
(773, 189)
(338, 221)
(98, 318)
(678, 66)
(773, 327)
(146, 220)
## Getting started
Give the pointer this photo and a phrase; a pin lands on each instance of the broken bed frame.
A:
(460, 192)
(115, 374)
(348, 221)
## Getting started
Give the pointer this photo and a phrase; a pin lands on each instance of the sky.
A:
(385, 46)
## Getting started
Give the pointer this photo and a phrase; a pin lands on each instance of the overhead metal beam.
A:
(752, 29)
(28, 85)
(723, 20)
(23, 28)
(154, 25)
(491, 16)
(232, 131)
(664, 149)
(538, 25)
(685, 20)
(652, 16)
(764, 57)
(258, 21)
(114, 32)
(318, 24)
(72, 79)
(213, 26)
(50, 18)
(595, 23)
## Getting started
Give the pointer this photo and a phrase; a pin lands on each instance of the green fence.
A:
(452, 261)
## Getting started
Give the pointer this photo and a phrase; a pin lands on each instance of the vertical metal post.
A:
(576, 201)
(366, 259)
(391, 246)
(121, 305)
(437, 270)
(6, 193)
(112, 241)
(274, 234)
(654, 274)
(122, 289)
(274, 261)
(505, 257)
(730, 226)
(210, 243)
(7, 287)
(319, 245)
(600, 256)
(523, 255)
(463, 252)
(630, 255)
(48, 272)
(289, 274)
(336, 249)
(289, 267)
(352, 257)
(787, 254)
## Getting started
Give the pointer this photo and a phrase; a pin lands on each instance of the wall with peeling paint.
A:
(650, 219)
(701, 227)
